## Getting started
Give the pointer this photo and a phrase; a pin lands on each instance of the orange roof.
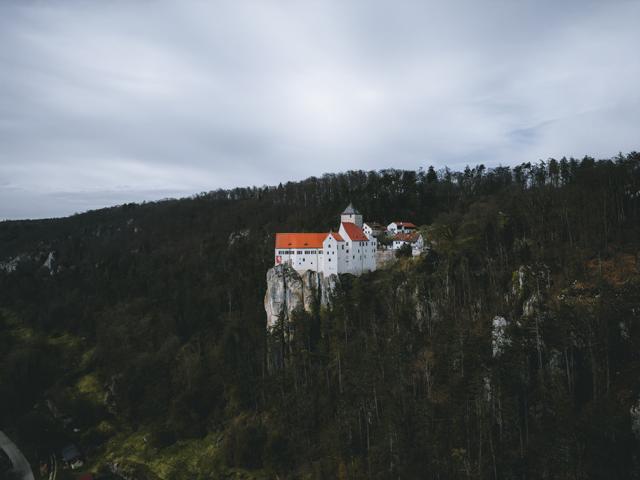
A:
(405, 224)
(300, 240)
(337, 236)
(407, 237)
(355, 232)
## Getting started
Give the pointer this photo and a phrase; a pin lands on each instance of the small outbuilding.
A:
(401, 227)
(414, 239)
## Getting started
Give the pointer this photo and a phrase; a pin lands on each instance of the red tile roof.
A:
(337, 236)
(300, 240)
(354, 232)
(406, 237)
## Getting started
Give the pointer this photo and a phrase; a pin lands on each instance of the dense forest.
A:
(511, 350)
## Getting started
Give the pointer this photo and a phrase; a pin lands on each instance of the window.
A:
(329, 259)
(299, 252)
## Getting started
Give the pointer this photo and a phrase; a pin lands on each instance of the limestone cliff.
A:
(288, 291)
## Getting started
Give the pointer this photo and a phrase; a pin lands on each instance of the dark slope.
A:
(150, 318)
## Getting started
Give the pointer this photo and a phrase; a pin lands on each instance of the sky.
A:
(107, 102)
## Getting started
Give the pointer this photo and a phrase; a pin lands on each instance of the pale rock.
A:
(50, 264)
(488, 389)
(10, 265)
(527, 279)
(529, 307)
(288, 292)
(235, 237)
(499, 338)
(635, 419)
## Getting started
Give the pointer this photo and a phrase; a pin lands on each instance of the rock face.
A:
(288, 291)
(11, 265)
(635, 419)
(529, 286)
(499, 338)
(50, 263)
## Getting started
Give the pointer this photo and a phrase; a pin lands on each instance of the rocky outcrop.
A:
(634, 411)
(10, 266)
(235, 237)
(529, 286)
(499, 338)
(50, 263)
(529, 290)
(288, 292)
(32, 261)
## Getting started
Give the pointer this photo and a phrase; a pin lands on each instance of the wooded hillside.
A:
(511, 350)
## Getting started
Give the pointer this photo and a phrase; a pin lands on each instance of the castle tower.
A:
(351, 215)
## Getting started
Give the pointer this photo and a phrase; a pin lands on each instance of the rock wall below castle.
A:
(289, 291)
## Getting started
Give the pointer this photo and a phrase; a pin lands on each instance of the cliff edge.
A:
(289, 291)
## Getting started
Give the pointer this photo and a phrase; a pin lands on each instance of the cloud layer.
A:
(107, 102)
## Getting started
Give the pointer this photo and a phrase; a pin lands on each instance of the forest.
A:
(511, 350)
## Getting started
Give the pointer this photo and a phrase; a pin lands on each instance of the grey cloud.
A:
(179, 97)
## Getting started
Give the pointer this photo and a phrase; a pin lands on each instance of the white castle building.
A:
(349, 250)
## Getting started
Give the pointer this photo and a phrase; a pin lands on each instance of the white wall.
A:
(301, 259)
(357, 219)
(398, 244)
(330, 248)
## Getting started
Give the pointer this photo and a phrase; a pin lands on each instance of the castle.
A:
(349, 250)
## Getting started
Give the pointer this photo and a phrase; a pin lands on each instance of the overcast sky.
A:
(105, 102)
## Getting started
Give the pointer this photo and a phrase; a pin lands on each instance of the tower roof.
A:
(350, 210)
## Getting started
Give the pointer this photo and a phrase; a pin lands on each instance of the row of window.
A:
(299, 252)
(311, 252)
